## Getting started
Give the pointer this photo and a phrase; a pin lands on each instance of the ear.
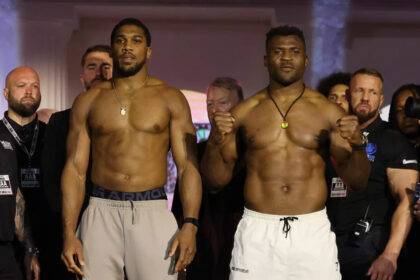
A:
(265, 60)
(381, 101)
(149, 52)
(306, 61)
(82, 81)
(6, 93)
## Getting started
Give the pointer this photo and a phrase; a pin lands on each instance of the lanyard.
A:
(20, 142)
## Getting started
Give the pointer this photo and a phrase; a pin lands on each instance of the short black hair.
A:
(328, 82)
(230, 84)
(96, 48)
(284, 30)
(370, 72)
(392, 118)
(132, 21)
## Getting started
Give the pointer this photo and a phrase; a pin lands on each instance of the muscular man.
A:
(284, 131)
(335, 87)
(96, 66)
(12, 217)
(220, 212)
(371, 226)
(130, 124)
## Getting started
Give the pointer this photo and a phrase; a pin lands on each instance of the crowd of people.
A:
(293, 182)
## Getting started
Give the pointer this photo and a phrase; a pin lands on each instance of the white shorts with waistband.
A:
(268, 247)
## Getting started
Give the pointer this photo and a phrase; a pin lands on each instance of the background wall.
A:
(194, 41)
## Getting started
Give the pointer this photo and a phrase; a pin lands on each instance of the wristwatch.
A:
(360, 147)
(33, 251)
(191, 220)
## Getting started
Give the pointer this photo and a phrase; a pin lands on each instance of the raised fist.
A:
(349, 129)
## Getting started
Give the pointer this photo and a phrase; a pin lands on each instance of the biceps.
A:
(183, 144)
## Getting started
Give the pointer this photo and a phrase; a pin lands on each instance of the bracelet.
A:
(190, 220)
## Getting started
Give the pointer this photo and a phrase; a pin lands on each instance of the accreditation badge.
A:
(338, 188)
(5, 185)
(29, 177)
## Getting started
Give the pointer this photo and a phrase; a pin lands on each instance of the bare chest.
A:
(306, 127)
(139, 113)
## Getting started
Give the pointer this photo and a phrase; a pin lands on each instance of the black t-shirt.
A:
(8, 187)
(386, 148)
(29, 171)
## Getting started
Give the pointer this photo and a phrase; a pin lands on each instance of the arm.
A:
(23, 234)
(221, 152)
(352, 165)
(73, 181)
(184, 150)
(402, 183)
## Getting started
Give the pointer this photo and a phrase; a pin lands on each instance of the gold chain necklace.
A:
(124, 108)
(284, 123)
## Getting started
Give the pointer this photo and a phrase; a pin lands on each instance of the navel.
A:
(127, 177)
(285, 189)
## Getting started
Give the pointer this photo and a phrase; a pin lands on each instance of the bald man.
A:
(12, 204)
(25, 133)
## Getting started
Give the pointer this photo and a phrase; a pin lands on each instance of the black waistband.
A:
(154, 194)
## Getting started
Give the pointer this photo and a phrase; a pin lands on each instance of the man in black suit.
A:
(96, 66)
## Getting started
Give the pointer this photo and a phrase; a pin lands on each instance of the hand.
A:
(184, 242)
(223, 123)
(417, 210)
(72, 255)
(383, 268)
(32, 268)
(349, 129)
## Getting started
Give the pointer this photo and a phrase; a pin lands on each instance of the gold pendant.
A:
(123, 111)
(284, 124)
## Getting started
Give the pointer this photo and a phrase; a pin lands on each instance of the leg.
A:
(101, 233)
(148, 236)
(253, 250)
(313, 251)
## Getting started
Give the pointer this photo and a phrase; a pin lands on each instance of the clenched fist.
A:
(223, 124)
(349, 129)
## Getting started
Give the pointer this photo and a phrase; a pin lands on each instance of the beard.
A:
(24, 110)
(285, 80)
(121, 72)
(364, 117)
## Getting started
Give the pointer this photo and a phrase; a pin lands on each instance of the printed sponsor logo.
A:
(243, 270)
(409, 161)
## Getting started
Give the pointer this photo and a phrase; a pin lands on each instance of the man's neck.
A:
(276, 88)
(19, 119)
(369, 122)
(134, 82)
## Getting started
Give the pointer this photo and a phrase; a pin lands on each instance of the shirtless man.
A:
(130, 123)
(284, 131)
